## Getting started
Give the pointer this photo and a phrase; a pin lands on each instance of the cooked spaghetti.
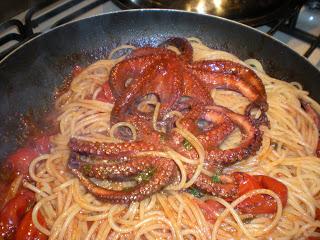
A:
(287, 153)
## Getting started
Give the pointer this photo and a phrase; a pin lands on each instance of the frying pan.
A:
(30, 75)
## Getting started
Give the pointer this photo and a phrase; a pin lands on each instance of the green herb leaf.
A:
(162, 137)
(274, 145)
(127, 189)
(144, 176)
(87, 169)
(216, 178)
(248, 220)
(187, 145)
(195, 192)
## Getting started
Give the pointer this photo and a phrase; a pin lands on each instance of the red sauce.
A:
(13, 212)
(27, 230)
(15, 221)
(65, 86)
(105, 95)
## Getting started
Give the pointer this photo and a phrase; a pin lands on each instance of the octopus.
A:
(315, 118)
(180, 84)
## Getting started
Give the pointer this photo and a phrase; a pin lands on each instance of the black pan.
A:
(29, 75)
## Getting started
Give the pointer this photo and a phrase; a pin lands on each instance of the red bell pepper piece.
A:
(27, 229)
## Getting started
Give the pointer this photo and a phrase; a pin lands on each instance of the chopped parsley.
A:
(162, 137)
(87, 169)
(144, 176)
(274, 145)
(248, 220)
(187, 145)
(216, 178)
(195, 192)
(127, 189)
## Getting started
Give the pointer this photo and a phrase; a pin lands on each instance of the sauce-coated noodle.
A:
(287, 154)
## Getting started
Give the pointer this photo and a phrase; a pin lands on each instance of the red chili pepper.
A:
(27, 229)
(274, 185)
(21, 159)
(105, 95)
(261, 203)
(41, 144)
(246, 183)
(210, 209)
(13, 212)
(315, 116)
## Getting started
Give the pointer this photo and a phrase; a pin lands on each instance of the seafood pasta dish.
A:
(177, 141)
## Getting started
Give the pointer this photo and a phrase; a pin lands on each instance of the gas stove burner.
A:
(314, 4)
(251, 12)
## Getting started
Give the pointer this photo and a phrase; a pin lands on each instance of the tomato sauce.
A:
(16, 212)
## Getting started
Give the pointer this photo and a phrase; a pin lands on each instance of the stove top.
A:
(300, 30)
(250, 12)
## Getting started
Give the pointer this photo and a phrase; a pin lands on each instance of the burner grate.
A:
(288, 26)
(15, 32)
(315, 44)
(33, 23)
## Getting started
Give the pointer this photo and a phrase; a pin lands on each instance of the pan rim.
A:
(159, 10)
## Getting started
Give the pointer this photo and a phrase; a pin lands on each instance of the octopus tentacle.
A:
(135, 64)
(183, 45)
(125, 72)
(194, 88)
(262, 118)
(190, 120)
(110, 149)
(128, 69)
(316, 119)
(225, 81)
(215, 135)
(144, 128)
(126, 100)
(118, 170)
(159, 74)
(167, 85)
(147, 51)
(164, 81)
(234, 76)
(250, 143)
(224, 189)
(227, 67)
(231, 82)
(163, 176)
